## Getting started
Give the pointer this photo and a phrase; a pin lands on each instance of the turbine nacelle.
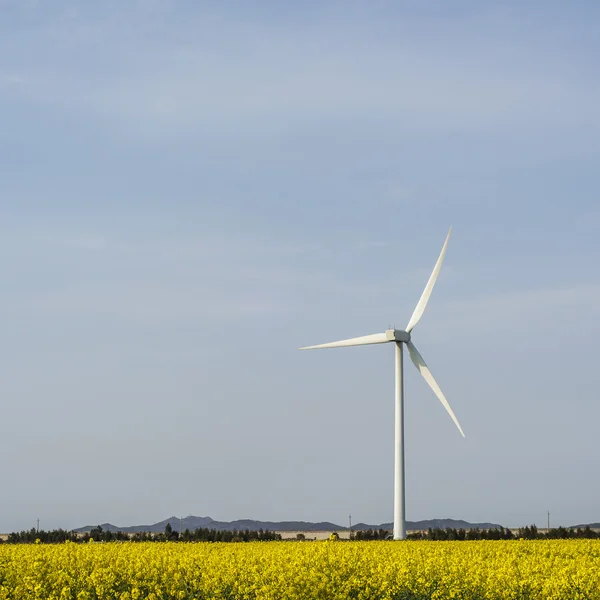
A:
(397, 335)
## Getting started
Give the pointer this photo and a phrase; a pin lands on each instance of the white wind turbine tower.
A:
(400, 337)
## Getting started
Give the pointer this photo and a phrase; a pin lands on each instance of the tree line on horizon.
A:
(98, 534)
(204, 534)
(530, 532)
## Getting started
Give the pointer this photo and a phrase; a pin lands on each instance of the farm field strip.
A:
(488, 570)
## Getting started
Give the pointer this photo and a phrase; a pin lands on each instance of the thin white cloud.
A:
(93, 274)
(273, 81)
(416, 97)
(552, 310)
(372, 245)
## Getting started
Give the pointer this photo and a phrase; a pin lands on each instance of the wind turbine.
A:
(400, 337)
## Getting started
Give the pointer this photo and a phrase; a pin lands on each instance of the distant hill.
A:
(433, 523)
(193, 523)
(590, 525)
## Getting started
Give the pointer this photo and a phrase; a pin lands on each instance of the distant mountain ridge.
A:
(193, 523)
(430, 523)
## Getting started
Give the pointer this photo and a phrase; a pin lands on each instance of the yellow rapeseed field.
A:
(561, 570)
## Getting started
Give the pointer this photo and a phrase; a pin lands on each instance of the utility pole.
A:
(180, 529)
(350, 522)
(548, 521)
(38, 525)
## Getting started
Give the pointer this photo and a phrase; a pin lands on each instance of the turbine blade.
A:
(424, 370)
(376, 338)
(420, 308)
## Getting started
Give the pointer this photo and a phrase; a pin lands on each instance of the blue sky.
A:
(191, 191)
